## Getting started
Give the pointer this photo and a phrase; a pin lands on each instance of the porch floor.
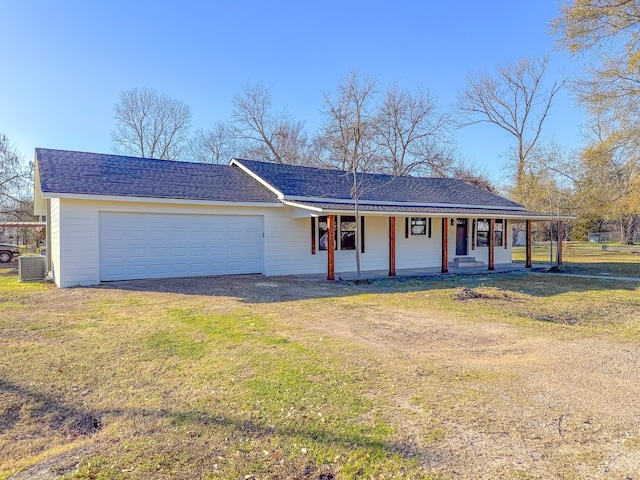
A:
(428, 272)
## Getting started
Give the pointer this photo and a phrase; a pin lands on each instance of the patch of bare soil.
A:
(247, 288)
(56, 466)
(467, 293)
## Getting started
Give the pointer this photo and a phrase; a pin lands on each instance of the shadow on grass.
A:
(53, 416)
(259, 289)
(243, 427)
(621, 269)
(51, 413)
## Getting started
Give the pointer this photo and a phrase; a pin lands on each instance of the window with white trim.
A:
(347, 232)
(418, 226)
(482, 233)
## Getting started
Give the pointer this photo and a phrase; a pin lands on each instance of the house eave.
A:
(481, 212)
(138, 199)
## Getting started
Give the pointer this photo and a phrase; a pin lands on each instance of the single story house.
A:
(113, 217)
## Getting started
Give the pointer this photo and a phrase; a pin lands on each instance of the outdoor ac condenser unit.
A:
(32, 268)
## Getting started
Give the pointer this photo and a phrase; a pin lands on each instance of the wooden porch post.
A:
(445, 245)
(528, 247)
(392, 246)
(331, 225)
(492, 243)
(560, 228)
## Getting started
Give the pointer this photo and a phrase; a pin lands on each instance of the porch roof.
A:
(324, 208)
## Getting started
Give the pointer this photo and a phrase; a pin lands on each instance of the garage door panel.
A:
(135, 235)
(136, 252)
(139, 245)
(158, 252)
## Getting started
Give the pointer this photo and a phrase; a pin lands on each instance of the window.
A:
(347, 233)
(346, 227)
(418, 226)
(323, 234)
(482, 234)
(498, 233)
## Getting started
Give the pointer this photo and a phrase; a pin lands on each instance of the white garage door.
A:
(142, 245)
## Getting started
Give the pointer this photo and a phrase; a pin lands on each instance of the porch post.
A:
(492, 243)
(392, 246)
(560, 228)
(445, 245)
(528, 247)
(331, 225)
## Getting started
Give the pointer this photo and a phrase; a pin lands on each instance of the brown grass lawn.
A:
(588, 258)
(507, 376)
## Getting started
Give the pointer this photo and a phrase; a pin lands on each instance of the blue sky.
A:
(64, 63)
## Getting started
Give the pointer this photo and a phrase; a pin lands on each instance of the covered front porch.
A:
(415, 240)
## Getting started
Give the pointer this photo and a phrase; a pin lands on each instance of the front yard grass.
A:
(476, 377)
(588, 258)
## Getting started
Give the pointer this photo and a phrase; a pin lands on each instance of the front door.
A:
(461, 236)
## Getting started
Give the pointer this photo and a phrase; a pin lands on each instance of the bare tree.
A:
(263, 135)
(349, 133)
(15, 175)
(217, 145)
(515, 100)
(413, 134)
(350, 126)
(469, 173)
(151, 125)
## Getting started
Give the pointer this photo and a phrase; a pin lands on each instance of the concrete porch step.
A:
(466, 262)
(464, 259)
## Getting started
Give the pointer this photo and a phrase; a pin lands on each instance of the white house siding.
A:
(78, 243)
(419, 251)
(75, 242)
(501, 255)
(288, 247)
(54, 235)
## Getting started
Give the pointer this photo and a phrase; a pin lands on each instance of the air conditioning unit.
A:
(32, 268)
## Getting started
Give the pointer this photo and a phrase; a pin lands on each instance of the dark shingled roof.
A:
(83, 173)
(299, 181)
(424, 209)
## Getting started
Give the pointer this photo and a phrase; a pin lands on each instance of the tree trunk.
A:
(520, 171)
(358, 238)
(628, 227)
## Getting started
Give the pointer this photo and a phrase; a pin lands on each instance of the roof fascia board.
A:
(315, 211)
(39, 203)
(301, 205)
(180, 201)
(263, 182)
(394, 204)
